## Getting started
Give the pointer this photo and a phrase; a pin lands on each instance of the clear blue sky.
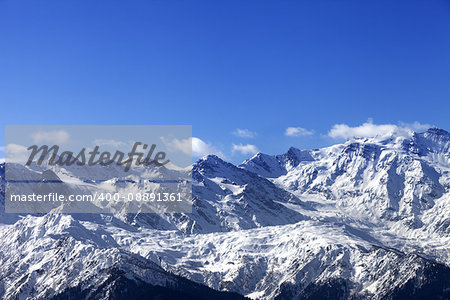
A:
(221, 65)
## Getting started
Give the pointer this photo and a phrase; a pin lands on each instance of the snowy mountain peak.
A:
(436, 137)
(294, 156)
(211, 159)
(438, 132)
(276, 165)
(212, 166)
(434, 140)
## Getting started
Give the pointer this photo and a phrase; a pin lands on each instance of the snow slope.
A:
(368, 218)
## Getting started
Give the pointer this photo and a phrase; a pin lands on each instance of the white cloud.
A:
(174, 145)
(416, 126)
(297, 131)
(200, 148)
(110, 143)
(54, 136)
(369, 129)
(245, 149)
(244, 133)
(193, 145)
(2, 149)
(17, 153)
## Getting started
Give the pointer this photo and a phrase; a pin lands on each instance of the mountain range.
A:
(365, 219)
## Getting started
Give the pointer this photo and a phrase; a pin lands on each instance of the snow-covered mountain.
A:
(366, 219)
(393, 179)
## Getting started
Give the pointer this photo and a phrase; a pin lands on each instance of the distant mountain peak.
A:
(275, 165)
(213, 166)
(210, 160)
(438, 131)
(434, 140)
(295, 156)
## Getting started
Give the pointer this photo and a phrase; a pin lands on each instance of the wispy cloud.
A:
(297, 131)
(110, 143)
(174, 145)
(53, 136)
(193, 145)
(245, 149)
(2, 159)
(201, 148)
(16, 153)
(244, 133)
(369, 129)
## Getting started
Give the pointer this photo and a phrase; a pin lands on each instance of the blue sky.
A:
(258, 66)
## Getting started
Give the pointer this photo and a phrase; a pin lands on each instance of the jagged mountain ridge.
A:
(367, 218)
(397, 178)
(226, 198)
(55, 257)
